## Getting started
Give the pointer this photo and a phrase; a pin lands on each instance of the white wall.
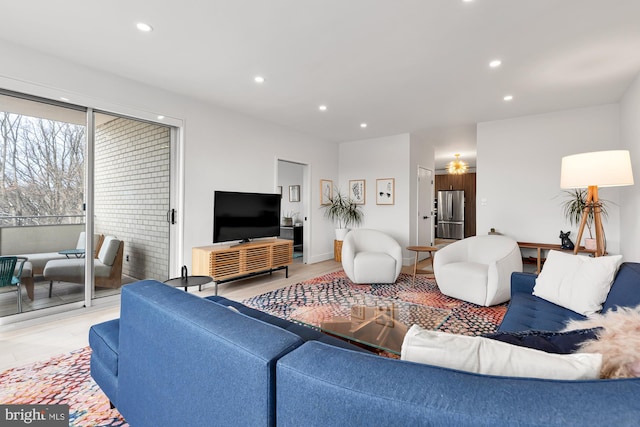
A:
(372, 159)
(222, 150)
(518, 172)
(630, 207)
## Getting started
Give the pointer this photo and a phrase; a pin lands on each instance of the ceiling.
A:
(418, 66)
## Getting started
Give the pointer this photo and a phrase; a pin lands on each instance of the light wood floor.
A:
(26, 342)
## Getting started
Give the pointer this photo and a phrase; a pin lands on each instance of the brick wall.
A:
(132, 193)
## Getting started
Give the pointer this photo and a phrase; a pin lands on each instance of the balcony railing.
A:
(37, 220)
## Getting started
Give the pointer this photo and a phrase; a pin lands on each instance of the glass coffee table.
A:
(375, 322)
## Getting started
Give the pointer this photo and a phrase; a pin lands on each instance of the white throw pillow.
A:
(579, 283)
(491, 357)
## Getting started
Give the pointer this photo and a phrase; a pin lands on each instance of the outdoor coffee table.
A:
(78, 253)
(375, 322)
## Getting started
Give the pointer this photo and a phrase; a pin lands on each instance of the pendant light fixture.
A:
(457, 166)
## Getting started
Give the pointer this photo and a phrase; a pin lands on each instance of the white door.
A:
(425, 207)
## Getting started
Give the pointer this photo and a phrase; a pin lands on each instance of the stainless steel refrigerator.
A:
(450, 214)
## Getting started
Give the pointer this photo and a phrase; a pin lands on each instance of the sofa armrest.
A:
(522, 283)
(625, 291)
(448, 255)
(498, 283)
(347, 256)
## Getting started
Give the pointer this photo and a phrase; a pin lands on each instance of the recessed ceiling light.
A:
(62, 98)
(258, 79)
(144, 27)
(495, 63)
(508, 97)
(322, 108)
(161, 117)
(467, 1)
(363, 125)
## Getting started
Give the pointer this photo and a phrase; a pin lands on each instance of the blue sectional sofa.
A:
(175, 359)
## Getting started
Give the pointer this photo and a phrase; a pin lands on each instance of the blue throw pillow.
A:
(550, 342)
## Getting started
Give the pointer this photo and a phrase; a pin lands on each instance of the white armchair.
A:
(478, 269)
(371, 256)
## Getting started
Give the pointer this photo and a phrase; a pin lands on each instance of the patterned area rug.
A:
(63, 379)
(463, 318)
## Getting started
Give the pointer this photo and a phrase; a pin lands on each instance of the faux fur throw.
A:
(618, 340)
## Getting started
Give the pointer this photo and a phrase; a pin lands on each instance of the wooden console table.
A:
(224, 263)
(548, 246)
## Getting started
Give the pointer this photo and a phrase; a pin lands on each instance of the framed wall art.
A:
(357, 191)
(326, 191)
(385, 191)
(294, 193)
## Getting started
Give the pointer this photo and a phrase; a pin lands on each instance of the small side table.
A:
(417, 250)
(186, 281)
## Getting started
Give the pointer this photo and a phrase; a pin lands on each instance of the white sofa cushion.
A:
(579, 283)
(109, 250)
(486, 356)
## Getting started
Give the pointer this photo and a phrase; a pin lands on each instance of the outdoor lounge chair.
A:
(107, 267)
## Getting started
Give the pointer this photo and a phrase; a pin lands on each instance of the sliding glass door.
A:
(131, 195)
(41, 198)
(72, 181)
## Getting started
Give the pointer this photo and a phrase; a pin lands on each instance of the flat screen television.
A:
(245, 216)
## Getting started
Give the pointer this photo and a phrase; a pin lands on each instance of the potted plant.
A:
(343, 212)
(573, 209)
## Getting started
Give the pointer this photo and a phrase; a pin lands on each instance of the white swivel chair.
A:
(371, 256)
(478, 269)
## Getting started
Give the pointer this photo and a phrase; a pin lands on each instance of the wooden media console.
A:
(224, 263)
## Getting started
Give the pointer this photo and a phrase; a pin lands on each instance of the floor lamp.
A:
(593, 170)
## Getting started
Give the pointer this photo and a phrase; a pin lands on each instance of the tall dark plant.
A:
(342, 210)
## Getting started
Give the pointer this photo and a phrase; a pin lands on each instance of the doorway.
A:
(292, 181)
(425, 226)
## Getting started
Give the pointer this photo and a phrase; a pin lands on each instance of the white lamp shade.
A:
(600, 168)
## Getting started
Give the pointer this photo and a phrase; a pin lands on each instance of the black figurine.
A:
(566, 241)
